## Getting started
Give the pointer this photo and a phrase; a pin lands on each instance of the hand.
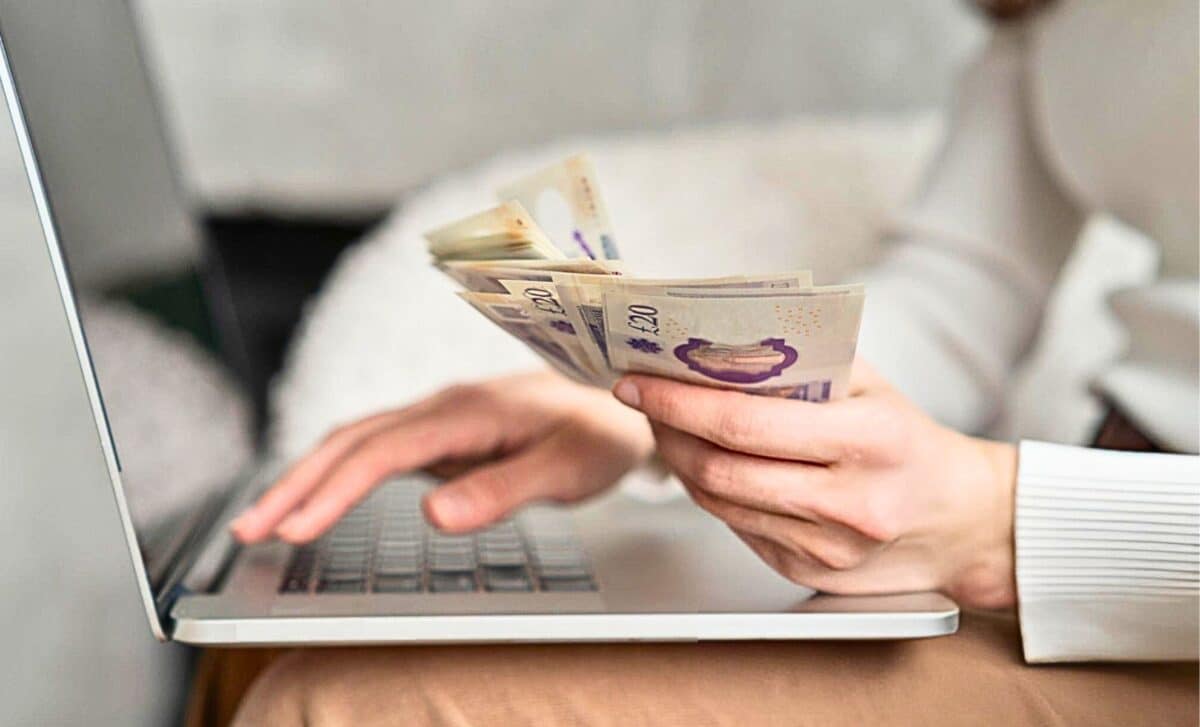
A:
(505, 442)
(860, 496)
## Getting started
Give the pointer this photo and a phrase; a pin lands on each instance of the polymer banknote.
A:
(797, 345)
(572, 302)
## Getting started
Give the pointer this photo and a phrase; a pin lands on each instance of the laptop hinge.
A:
(169, 580)
(203, 558)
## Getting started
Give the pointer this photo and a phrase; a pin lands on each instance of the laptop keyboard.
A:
(385, 546)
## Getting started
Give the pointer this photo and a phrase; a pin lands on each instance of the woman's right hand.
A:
(502, 443)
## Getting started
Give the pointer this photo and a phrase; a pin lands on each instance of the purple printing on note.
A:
(578, 237)
(813, 391)
(563, 327)
(644, 345)
(737, 364)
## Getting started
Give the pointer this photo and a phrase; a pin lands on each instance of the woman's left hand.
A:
(863, 495)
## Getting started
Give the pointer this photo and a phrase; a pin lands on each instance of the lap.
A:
(975, 676)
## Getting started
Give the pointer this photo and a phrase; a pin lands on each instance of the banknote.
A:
(571, 183)
(485, 276)
(505, 232)
(796, 345)
(569, 299)
(582, 296)
(547, 310)
(513, 317)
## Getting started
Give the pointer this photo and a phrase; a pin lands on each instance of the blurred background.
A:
(299, 127)
(297, 105)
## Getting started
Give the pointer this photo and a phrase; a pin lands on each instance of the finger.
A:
(402, 447)
(830, 546)
(762, 425)
(796, 567)
(772, 553)
(789, 488)
(556, 468)
(259, 521)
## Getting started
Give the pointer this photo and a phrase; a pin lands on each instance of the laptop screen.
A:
(84, 99)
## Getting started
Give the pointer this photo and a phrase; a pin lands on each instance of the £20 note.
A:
(798, 345)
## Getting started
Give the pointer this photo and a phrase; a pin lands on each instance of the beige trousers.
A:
(975, 677)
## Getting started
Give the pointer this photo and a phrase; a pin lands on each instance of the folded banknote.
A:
(571, 301)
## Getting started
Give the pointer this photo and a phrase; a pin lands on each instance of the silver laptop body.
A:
(616, 569)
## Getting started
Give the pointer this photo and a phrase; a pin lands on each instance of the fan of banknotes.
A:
(572, 302)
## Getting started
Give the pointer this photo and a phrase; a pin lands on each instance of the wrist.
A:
(988, 577)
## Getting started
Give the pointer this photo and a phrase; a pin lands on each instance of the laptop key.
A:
(344, 562)
(328, 586)
(502, 557)
(460, 582)
(562, 571)
(565, 585)
(451, 564)
(395, 542)
(294, 585)
(398, 584)
(397, 568)
(506, 579)
(336, 574)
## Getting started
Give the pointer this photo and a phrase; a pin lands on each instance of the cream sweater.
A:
(1089, 108)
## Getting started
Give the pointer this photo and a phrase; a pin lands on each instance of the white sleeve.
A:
(958, 299)
(1107, 554)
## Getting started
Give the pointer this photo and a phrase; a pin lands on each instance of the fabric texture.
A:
(1108, 554)
(973, 677)
(221, 680)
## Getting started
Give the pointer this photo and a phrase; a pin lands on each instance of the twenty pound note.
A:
(797, 345)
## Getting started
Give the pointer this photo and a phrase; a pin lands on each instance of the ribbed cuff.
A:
(1107, 554)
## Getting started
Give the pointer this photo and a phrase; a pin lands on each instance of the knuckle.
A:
(735, 427)
(847, 453)
(700, 497)
(484, 396)
(890, 433)
(715, 507)
(715, 470)
(841, 556)
(337, 434)
(353, 468)
(797, 571)
(877, 518)
(458, 392)
(364, 467)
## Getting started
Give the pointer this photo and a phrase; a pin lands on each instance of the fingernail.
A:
(449, 507)
(627, 393)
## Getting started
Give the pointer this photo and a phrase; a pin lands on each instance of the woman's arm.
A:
(868, 495)
(958, 300)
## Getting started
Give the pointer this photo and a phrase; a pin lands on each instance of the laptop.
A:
(615, 569)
